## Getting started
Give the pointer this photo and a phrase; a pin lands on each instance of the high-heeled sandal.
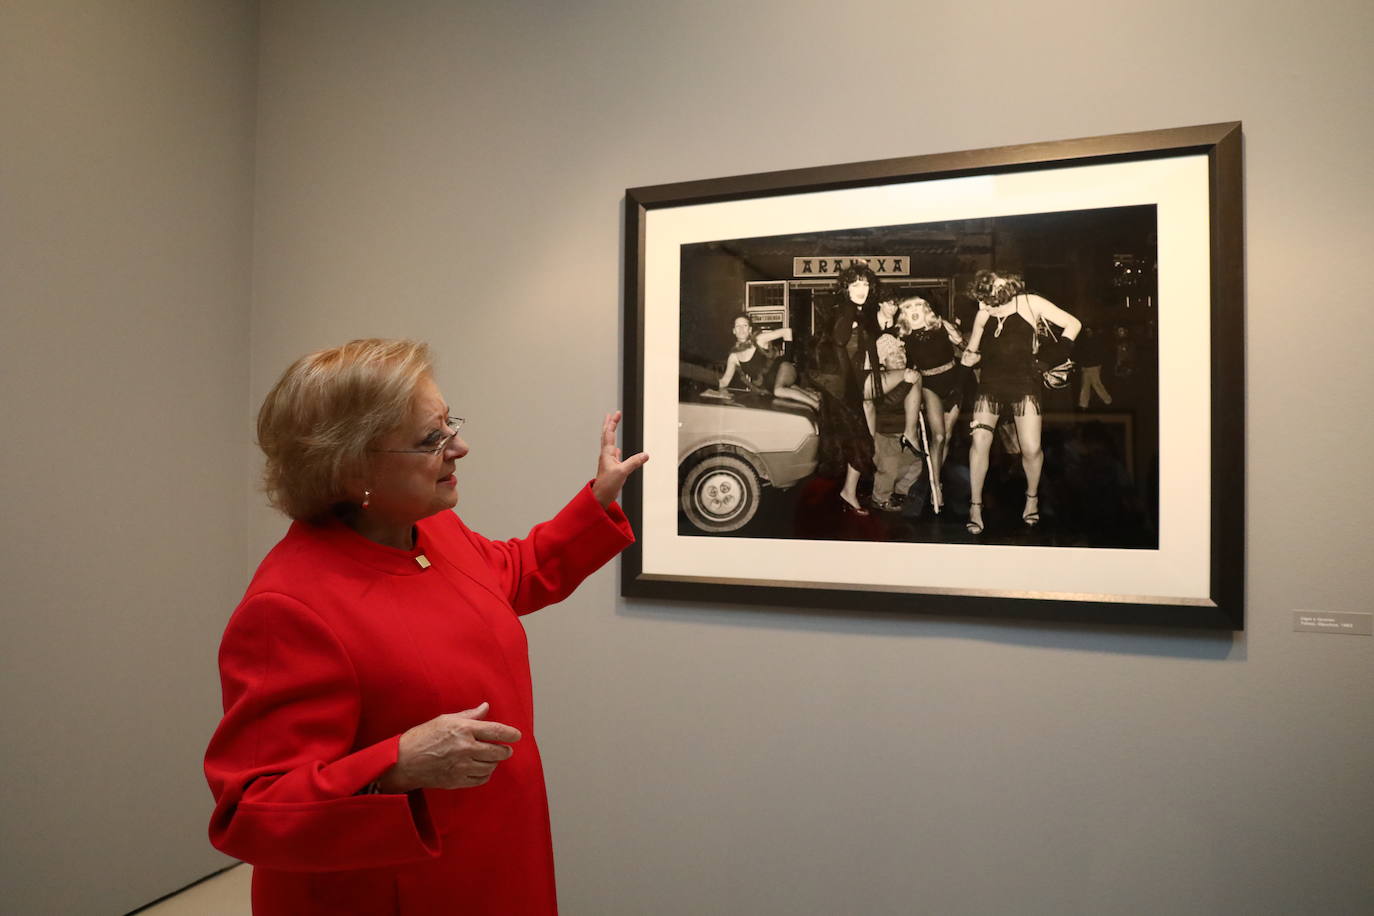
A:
(910, 446)
(972, 526)
(850, 509)
(1031, 518)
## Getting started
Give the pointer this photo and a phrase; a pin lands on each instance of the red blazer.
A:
(342, 644)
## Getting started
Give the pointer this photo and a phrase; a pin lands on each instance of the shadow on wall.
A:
(1206, 645)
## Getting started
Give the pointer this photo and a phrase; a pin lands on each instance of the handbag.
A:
(1053, 377)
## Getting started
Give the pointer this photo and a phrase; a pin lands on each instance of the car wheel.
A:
(721, 493)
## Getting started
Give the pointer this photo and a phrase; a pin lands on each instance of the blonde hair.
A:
(916, 314)
(318, 422)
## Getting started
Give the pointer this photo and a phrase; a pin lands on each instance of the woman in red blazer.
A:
(377, 753)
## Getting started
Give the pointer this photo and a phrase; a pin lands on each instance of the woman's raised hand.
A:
(454, 751)
(611, 471)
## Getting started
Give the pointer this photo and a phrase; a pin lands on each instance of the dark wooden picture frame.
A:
(1200, 240)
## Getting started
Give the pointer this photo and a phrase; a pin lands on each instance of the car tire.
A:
(721, 493)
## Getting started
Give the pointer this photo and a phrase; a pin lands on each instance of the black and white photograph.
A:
(997, 382)
(983, 381)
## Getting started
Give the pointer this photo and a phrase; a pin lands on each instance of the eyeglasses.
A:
(453, 423)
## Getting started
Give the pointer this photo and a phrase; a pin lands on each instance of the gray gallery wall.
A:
(454, 171)
(126, 136)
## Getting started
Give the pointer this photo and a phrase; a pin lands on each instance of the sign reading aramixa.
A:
(888, 266)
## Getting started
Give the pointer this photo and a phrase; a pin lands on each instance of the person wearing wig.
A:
(762, 368)
(846, 434)
(1003, 346)
(930, 342)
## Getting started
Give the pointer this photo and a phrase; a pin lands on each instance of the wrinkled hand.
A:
(611, 471)
(454, 751)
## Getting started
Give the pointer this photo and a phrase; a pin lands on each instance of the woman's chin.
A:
(445, 497)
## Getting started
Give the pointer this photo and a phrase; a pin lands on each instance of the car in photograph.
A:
(732, 446)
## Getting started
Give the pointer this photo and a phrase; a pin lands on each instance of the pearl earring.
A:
(367, 498)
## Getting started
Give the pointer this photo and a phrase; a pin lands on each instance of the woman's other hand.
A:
(611, 471)
(1054, 352)
(454, 751)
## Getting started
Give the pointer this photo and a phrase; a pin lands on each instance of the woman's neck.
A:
(388, 534)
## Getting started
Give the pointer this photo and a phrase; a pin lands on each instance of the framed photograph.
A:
(1003, 383)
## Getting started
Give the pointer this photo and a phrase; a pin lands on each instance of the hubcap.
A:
(720, 494)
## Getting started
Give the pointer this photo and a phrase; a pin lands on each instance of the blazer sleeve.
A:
(283, 766)
(545, 566)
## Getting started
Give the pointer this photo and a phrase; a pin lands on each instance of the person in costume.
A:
(887, 375)
(376, 753)
(761, 366)
(1003, 345)
(846, 436)
(930, 344)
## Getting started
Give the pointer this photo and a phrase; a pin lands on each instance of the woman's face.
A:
(985, 290)
(909, 320)
(917, 315)
(858, 291)
(742, 329)
(1000, 293)
(411, 486)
